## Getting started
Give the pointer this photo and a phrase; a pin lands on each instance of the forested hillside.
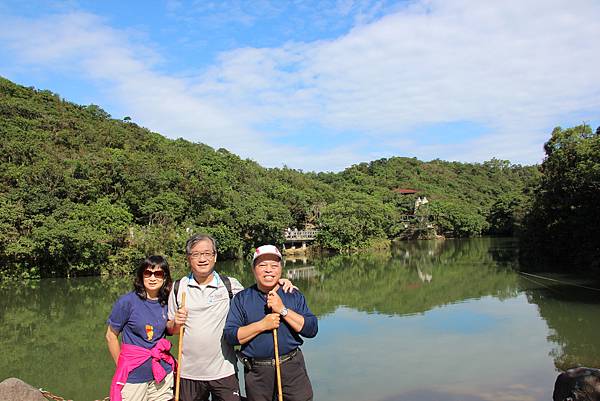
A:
(82, 193)
(564, 216)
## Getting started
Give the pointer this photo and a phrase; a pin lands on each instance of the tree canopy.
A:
(563, 216)
(84, 193)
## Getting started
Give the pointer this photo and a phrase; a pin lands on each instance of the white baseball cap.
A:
(266, 250)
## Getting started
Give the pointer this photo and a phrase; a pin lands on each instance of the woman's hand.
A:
(287, 285)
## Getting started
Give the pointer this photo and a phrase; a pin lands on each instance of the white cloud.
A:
(516, 68)
(83, 43)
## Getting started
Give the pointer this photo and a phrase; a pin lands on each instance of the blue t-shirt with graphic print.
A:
(141, 322)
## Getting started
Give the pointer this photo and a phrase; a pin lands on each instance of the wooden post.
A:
(277, 367)
(179, 365)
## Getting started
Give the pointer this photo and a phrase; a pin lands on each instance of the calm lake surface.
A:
(428, 320)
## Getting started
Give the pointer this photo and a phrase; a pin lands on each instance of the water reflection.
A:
(53, 334)
(469, 350)
(427, 320)
(412, 278)
(571, 313)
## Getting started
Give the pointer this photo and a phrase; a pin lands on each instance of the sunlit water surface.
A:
(428, 320)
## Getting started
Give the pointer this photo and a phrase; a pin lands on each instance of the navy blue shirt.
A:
(250, 305)
(141, 322)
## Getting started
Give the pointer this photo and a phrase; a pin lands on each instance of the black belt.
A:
(271, 361)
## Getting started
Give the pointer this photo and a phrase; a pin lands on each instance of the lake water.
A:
(428, 320)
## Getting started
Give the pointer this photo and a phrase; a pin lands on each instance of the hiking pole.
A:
(277, 368)
(179, 352)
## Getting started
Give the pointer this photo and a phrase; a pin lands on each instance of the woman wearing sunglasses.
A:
(144, 365)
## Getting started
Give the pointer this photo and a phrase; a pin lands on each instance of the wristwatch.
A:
(284, 312)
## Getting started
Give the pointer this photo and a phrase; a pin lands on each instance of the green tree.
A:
(457, 219)
(561, 224)
(78, 238)
(506, 214)
(62, 163)
(353, 222)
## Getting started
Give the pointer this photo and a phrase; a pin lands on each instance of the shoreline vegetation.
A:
(82, 193)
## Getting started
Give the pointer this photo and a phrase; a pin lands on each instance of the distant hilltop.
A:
(83, 193)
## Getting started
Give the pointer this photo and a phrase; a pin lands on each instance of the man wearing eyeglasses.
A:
(208, 363)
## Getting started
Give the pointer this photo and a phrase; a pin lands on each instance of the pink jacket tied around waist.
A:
(132, 356)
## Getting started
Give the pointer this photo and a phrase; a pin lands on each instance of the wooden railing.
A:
(300, 235)
(302, 272)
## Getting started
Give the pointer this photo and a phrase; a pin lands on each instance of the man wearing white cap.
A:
(253, 314)
(208, 363)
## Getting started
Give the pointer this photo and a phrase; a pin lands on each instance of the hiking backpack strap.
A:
(176, 291)
(226, 283)
(176, 285)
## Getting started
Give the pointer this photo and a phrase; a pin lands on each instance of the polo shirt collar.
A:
(216, 280)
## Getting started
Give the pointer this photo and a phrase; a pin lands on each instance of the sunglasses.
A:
(157, 273)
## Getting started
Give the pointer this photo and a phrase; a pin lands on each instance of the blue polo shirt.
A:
(250, 305)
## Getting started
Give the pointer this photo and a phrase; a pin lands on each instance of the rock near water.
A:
(577, 384)
(13, 389)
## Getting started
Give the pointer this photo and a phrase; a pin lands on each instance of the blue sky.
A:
(321, 85)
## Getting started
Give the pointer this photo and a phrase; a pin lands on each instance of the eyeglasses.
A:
(197, 255)
(159, 274)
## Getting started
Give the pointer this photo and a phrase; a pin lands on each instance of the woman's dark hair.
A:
(154, 261)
